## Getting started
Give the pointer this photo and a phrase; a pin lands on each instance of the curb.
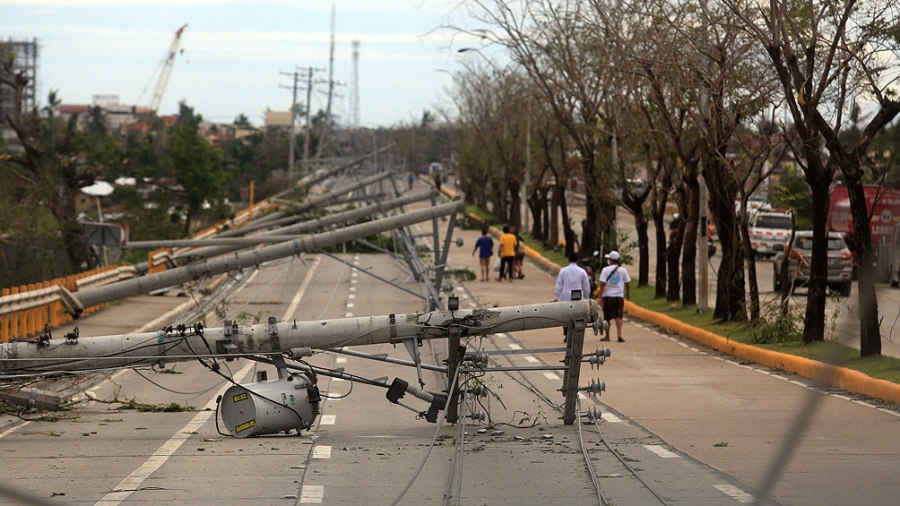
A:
(846, 379)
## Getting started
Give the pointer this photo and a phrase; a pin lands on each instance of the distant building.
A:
(24, 57)
(118, 116)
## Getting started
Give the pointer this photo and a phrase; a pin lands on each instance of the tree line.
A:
(655, 102)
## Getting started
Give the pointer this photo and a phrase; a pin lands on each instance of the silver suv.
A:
(840, 262)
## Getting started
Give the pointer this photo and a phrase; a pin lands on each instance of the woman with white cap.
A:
(615, 287)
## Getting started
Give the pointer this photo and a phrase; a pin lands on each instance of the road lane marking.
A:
(514, 346)
(134, 480)
(531, 359)
(662, 452)
(611, 418)
(312, 494)
(735, 493)
(551, 376)
(321, 452)
(340, 360)
(303, 286)
(328, 419)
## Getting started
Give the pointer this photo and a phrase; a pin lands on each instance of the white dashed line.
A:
(514, 346)
(350, 304)
(352, 289)
(348, 315)
(529, 358)
(735, 493)
(551, 376)
(328, 419)
(321, 452)
(351, 296)
(312, 494)
(661, 452)
(337, 380)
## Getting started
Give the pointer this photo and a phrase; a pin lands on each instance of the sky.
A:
(234, 53)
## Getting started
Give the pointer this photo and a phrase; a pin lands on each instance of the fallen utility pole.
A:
(210, 267)
(275, 235)
(188, 343)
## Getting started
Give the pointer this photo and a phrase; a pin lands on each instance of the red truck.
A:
(883, 206)
(886, 213)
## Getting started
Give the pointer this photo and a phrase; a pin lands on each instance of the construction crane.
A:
(166, 70)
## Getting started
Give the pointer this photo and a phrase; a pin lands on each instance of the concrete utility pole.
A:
(129, 350)
(226, 263)
(224, 244)
(292, 140)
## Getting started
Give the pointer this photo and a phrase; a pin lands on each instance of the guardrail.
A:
(24, 310)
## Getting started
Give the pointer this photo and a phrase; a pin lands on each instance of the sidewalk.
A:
(539, 283)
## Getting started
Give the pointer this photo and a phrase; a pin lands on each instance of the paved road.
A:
(698, 426)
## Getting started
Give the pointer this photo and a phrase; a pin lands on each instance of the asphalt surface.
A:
(700, 427)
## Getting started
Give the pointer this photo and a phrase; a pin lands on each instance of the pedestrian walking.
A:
(615, 287)
(485, 248)
(507, 254)
(572, 277)
(519, 259)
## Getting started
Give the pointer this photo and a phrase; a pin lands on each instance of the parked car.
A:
(769, 231)
(840, 262)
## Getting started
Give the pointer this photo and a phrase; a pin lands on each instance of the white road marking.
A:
(735, 493)
(514, 346)
(134, 480)
(321, 452)
(351, 296)
(661, 452)
(531, 359)
(340, 360)
(611, 418)
(328, 419)
(337, 380)
(348, 314)
(350, 304)
(551, 376)
(312, 494)
(303, 286)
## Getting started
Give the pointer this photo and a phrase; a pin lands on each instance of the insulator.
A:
(605, 352)
(303, 351)
(593, 414)
(419, 393)
(480, 359)
(595, 387)
(478, 415)
(478, 391)
(595, 360)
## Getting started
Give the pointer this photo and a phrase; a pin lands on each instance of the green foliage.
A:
(778, 327)
(463, 274)
(792, 192)
(172, 407)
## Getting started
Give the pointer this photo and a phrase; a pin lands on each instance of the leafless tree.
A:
(828, 55)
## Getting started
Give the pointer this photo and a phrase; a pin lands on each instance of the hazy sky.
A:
(234, 51)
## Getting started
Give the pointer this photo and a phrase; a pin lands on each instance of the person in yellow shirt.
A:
(508, 243)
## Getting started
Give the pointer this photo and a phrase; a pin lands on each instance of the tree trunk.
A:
(819, 179)
(869, 331)
(689, 247)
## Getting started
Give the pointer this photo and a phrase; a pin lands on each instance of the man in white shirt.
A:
(615, 287)
(572, 277)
